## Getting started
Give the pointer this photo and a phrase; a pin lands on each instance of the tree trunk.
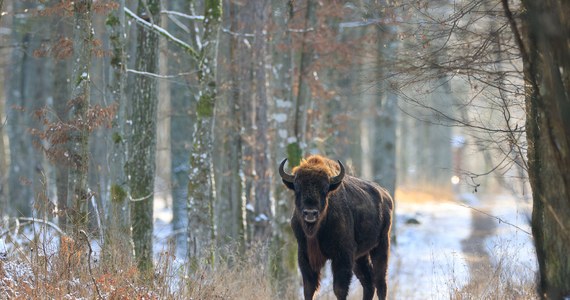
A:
(386, 116)
(23, 98)
(61, 97)
(180, 141)
(79, 138)
(163, 180)
(201, 230)
(297, 144)
(4, 170)
(118, 235)
(263, 203)
(546, 61)
(283, 262)
(142, 140)
(232, 213)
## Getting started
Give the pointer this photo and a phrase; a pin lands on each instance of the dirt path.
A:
(475, 251)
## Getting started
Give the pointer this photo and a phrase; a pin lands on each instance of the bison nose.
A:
(310, 215)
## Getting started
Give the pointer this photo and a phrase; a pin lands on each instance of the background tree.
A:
(25, 93)
(62, 70)
(118, 235)
(78, 192)
(142, 137)
(263, 198)
(201, 230)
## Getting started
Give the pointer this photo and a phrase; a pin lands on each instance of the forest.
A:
(140, 143)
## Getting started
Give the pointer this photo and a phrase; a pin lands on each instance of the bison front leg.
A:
(342, 274)
(310, 277)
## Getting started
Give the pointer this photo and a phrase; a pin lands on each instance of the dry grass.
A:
(65, 274)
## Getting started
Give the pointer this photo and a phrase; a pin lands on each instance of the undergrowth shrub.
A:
(61, 271)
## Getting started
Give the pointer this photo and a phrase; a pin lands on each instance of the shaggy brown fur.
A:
(341, 218)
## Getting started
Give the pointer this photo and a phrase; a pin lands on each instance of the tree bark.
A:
(546, 61)
(263, 203)
(181, 118)
(142, 140)
(79, 138)
(61, 96)
(118, 233)
(24, 96)
(296, 145)
(201, 230)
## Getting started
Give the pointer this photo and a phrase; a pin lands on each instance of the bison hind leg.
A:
(363, 271)
(379, 258)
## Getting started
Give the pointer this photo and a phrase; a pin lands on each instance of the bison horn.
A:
(338, 178)
(286, 177)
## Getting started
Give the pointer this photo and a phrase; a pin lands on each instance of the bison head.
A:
(312, 183)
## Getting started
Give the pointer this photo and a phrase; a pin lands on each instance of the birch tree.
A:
(201, 230)
(142, 137)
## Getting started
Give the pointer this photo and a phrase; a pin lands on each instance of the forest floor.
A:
(471, 247)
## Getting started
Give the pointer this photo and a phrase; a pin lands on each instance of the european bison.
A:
(341, 218)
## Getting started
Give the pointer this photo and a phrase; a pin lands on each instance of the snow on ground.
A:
(427, 259)
(511, 244)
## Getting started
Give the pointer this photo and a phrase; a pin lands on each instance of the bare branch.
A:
(157, 29)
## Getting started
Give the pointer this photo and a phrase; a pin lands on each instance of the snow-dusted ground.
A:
(427, 261)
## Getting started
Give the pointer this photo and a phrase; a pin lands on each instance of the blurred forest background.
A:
(115, 114)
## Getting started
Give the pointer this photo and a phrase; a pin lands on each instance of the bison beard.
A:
(352, 226)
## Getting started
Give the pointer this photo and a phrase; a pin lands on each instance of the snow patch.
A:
(280, 117)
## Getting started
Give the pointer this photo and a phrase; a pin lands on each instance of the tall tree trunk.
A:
(201, 230)
(232, 213)
(546, 59)
(180, 140)
(79, 138)
(303, 98)
(61, 97)
(163, 182)
(4, 170)
(386, 117)
(118, 235)
(284, 258)
(142, 139)
(21, 102)
(263, 203)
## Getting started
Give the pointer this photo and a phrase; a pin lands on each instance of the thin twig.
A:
(89, 263)
(494, 217)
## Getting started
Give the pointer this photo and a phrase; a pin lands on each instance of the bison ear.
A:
(289, 185)
(334, 186)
